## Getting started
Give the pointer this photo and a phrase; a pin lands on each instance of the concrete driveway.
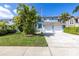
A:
(63, 44)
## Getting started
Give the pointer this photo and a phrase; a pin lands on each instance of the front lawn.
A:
(20, 39)
(72, 30)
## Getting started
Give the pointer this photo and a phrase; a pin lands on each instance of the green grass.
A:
(20, 39)
(72, 30)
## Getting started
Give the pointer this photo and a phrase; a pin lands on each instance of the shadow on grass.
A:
(8, 33)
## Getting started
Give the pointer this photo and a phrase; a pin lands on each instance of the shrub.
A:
(3, 32)
(11, 31)
(71, 30)
(8, 29)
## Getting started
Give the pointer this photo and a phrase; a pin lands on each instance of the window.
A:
(44, 18)
(76, 20)
(39, 25)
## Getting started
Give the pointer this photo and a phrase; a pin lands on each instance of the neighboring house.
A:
(8, 21)
(52, 24)
(73, 21)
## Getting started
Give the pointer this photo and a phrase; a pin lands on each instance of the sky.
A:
(44, 9)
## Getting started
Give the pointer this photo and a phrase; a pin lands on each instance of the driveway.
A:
(63, 44)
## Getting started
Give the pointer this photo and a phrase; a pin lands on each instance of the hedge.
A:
(71, 30)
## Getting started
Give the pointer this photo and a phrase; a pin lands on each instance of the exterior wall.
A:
(43, 21)
(8, 21)
(47, 24)
(78, 20)
(72, 22)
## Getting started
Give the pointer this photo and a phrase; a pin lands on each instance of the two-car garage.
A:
(52, 27)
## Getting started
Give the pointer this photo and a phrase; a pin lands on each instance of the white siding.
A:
(70, 22)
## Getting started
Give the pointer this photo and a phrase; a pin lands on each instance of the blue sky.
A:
(44, 9)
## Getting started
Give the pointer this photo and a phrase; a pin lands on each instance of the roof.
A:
(58, 17)
(49, 16)
(53, 23)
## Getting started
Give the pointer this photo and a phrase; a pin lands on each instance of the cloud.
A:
(7, 6)
(15, 11)
(5, 13)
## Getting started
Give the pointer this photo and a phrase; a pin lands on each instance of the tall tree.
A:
(76, 10)
(64, 17)
(18, 24)
(28, 18)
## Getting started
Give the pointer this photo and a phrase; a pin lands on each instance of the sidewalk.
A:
(23, 51)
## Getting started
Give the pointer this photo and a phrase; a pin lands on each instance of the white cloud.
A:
(15, 11)
(7, 6)
(5, 13)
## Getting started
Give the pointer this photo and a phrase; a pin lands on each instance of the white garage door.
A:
(48, 29)
(58, 28)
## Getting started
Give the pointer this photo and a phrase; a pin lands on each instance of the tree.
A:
(17, 20)
(64, 17)
(2, 25)
(76, 9)
(28, 18)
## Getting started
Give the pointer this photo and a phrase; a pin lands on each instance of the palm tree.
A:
(64, 17)
(76, 10)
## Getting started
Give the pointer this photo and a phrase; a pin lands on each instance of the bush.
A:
(11, 31)
(7, 30)
(3, 32)
(71, 30)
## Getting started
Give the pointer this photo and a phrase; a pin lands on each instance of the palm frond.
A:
(76, 9)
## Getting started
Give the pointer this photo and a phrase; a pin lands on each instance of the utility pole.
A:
(42, 20)
(41, 12)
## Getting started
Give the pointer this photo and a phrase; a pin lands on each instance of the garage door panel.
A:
(58, 28)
